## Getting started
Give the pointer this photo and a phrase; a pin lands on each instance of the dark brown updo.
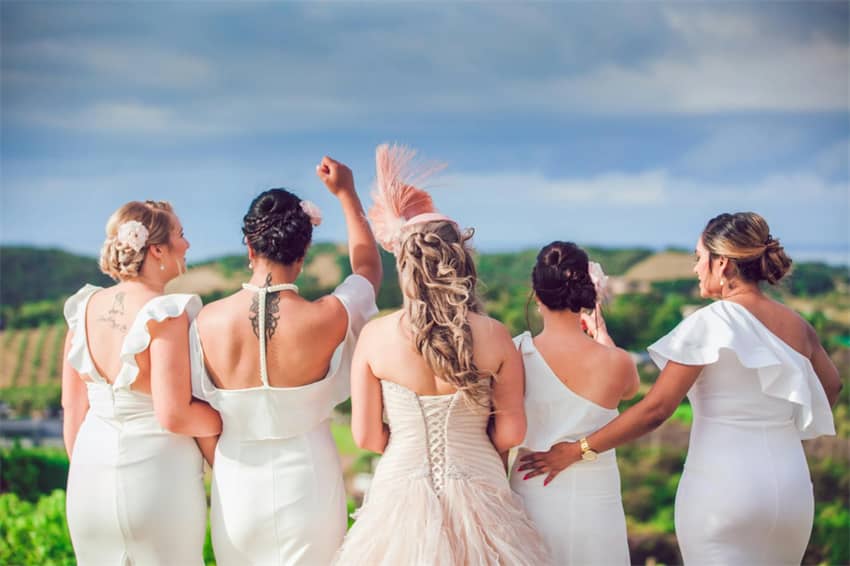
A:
(745, 239)
(276, 227)
(561, 279)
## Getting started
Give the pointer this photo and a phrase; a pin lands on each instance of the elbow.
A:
(171, 420)
(373, 441)
(656, 412)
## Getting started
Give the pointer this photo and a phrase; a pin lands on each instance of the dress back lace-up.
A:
(441, 480)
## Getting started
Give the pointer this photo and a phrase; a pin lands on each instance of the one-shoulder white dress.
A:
(745, 496)
(277, 490)
(135, 490)
(580, 513)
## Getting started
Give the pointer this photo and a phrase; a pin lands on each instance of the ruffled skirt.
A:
(472, 522)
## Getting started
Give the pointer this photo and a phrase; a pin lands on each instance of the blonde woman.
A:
(759, 381)
(439, 369)
(135, 489)
(275, 364)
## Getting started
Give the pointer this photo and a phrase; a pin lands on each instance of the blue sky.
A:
(606, 123)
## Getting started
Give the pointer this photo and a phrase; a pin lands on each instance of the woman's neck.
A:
(267, 273)
(565, 322)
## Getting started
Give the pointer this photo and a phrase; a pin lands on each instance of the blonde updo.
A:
(745, 239)
(119, 260)
(438, 279)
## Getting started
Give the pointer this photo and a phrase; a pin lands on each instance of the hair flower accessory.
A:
(599, 279)
(133, 234)
(311, 210)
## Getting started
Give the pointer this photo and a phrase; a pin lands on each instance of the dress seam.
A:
(775, 491)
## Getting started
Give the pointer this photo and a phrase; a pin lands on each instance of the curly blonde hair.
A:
(121, 261)
(438, 279)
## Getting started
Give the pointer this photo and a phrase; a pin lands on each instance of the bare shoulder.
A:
(488, 328)
(380, 330)
(218, 311)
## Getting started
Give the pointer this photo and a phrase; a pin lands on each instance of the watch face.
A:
(589, 455)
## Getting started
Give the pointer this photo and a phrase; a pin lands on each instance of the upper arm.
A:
(509, 386)
(169, 361)
(673, 383)
(824, 367)
(367, 406)
(628, 371)
(74, 393)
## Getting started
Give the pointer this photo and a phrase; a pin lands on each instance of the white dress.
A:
(277, 490)
(580, 513)
(439, 496)
(745, 496)
(135, 490)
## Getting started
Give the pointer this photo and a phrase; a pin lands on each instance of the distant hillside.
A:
(37, 274)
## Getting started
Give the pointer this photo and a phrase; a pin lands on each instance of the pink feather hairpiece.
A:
(397, 202)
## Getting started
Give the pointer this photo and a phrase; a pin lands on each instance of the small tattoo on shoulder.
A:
(111, 316)
(272, 312)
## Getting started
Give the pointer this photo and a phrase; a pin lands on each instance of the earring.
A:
(722, 282)
(250, 265)
(161, 266)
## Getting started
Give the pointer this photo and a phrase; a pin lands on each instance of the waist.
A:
(743, 422)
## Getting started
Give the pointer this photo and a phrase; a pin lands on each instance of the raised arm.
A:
(668, 391)
(362, 249)
(175, 408)
(509, 423)
(367, 405)
(75, 400)
(824, 368)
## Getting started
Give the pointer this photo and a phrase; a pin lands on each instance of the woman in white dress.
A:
(440, 495)
(573, 384)
(759, 381)
(275, 365)
(135, 485)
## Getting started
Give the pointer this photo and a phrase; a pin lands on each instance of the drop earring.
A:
(161, 266)
(250, 265)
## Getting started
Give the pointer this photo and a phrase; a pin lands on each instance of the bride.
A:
(440, 370)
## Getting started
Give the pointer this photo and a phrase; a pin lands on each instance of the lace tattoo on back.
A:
(272, 310)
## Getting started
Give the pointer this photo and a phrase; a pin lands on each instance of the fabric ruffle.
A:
(75, 315)
(783, 372)
(473, 523)
(139, 338)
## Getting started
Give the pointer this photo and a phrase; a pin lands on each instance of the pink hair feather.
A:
(396, 198)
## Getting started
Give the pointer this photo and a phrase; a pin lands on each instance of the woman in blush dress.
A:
(573, 384)
(275, 365)
(440, 495)
(135, 485)
(759, 381)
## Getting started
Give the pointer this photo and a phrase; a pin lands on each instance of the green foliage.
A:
(38, 352)
(56, 349)
(22, 350)
(32, 472)
(33, 274)
(34, 534)
(811, 279)
(35, 314)
(23, 400)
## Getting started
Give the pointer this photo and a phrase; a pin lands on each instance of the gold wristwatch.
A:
(587, 453)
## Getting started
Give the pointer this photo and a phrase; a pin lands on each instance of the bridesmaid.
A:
(759, 381)
(573, 386)
(135, 488)
(275, 365)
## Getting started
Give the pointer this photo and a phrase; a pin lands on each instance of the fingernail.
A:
(525, 477)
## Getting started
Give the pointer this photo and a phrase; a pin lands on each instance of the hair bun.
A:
(277, 227)
(561, 278)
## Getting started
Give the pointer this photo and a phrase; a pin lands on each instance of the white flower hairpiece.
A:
(133, 234)
(600, 280)
(311, 210)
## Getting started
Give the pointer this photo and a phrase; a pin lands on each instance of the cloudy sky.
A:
(607, 123)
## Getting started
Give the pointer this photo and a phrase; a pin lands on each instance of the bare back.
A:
(109, 315)
(393, 356)
(301, 338)
(602, 374)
